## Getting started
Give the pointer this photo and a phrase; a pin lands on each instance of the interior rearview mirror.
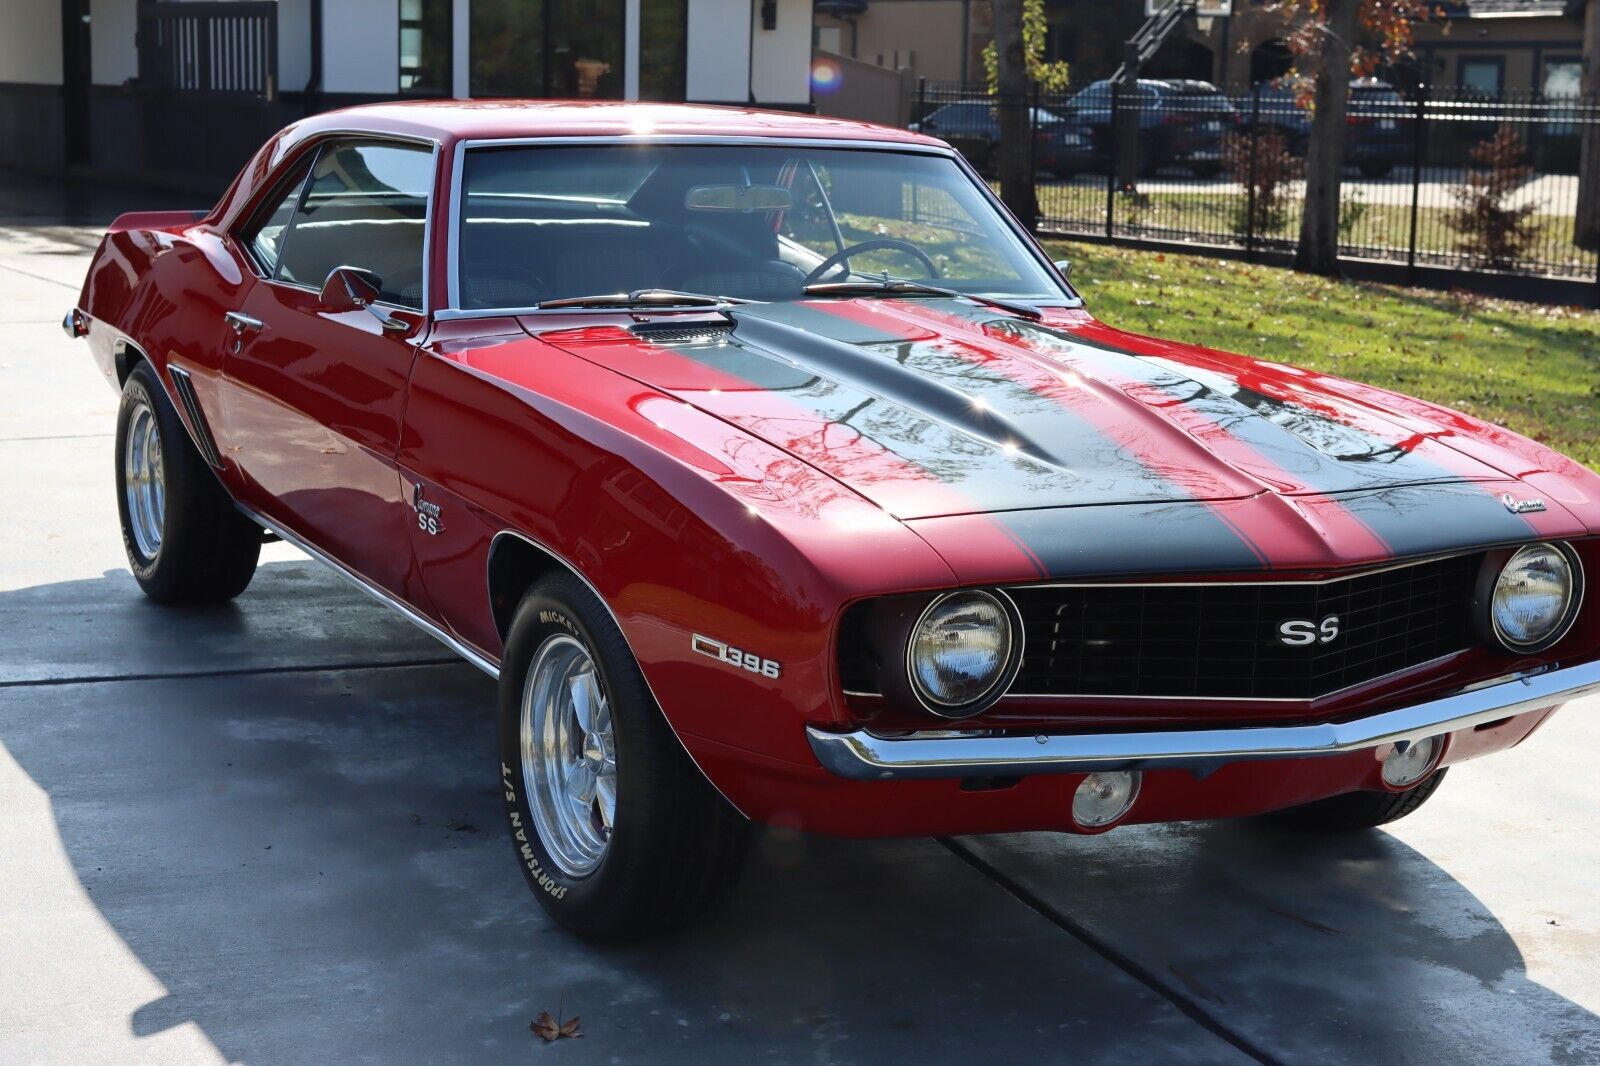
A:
(746, 198)
(349, 288)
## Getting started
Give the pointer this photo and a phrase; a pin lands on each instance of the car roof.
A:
(455, 120)
(448, 122)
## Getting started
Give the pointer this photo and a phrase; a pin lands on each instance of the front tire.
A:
(186, 542)
(618, 834)
(1356, 811)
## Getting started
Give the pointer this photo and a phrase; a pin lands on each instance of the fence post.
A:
(1250, 178)
(1417, 143)
(1111, 162)
(922, 100)
(1033, 149)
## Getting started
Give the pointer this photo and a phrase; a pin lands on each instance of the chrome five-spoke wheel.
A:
(144, 481)
(569, 755)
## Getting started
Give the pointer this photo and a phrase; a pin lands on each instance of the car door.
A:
(314, 397)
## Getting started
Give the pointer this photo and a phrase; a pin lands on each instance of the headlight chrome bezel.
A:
(1003, 678)
(1496, 565)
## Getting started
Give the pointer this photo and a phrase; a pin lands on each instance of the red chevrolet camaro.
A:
(779, 476)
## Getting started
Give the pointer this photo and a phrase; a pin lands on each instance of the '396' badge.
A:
(727, 653)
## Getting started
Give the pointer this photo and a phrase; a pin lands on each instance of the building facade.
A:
(156, 91)
(1486, 46)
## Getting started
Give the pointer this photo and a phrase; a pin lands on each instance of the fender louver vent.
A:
(197, 421)
(698, 333)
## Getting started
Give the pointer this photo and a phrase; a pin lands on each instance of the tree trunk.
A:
(1587, 232)
(1015, 147)
(1318, 252)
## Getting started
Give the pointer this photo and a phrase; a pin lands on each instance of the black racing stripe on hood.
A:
(1424, 519)
(917, 398)
(1146, 539)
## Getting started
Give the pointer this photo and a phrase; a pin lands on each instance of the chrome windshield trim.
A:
(1068, 297)
(865, 756)
(466, 651)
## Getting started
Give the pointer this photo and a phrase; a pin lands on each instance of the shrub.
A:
(1492, 231)
(1273, 168)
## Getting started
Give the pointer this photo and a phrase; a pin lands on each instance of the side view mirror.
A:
(1065, 266)
(349, 288)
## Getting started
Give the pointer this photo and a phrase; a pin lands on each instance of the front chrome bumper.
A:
(866, 756)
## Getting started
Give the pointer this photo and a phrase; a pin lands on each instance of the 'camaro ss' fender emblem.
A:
(427, 513)
(1298, 632)
(1516, 506)
(727, 653)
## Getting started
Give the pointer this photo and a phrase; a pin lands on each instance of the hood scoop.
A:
(877, 372)
(674, 333)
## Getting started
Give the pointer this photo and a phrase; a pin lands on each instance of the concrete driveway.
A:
(268, 832)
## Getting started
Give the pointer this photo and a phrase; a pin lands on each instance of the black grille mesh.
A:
(1221, 640)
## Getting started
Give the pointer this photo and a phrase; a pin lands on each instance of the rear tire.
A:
(185, 540)
(617, 832)
(1356, 811)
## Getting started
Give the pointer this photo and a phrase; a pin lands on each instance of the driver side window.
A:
(365, 205)
(265, 236)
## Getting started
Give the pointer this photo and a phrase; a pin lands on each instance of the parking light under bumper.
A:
(866, 756)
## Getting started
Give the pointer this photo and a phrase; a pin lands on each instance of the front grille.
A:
(1221, 641)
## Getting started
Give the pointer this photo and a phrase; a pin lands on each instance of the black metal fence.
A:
(1432, 178)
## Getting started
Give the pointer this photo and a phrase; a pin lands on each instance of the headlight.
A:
(1535, 597)
(961, 651)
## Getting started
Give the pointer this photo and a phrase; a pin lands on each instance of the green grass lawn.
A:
(1532, 368)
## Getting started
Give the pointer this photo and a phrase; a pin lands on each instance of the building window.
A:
(585, 49)
(1483, 75)
(571, 48)
(663, 41)
(1562, 77)
(425, 47)
(1563, 80)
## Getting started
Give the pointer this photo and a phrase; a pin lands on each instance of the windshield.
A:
(760, 222)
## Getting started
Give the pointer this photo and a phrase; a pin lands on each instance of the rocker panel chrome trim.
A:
(466, 651)
(865, 756)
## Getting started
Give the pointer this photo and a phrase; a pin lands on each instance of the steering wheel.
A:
(843, 255)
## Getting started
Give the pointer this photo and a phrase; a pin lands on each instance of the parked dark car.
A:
(973, 128)
(1181, 122)
(1378, 131)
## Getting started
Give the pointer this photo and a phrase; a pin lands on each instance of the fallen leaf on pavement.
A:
(551, 1029)
(548, 1029)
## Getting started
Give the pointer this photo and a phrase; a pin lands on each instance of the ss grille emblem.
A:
(1298, 632)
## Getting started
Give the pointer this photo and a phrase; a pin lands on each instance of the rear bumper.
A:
(865, 756)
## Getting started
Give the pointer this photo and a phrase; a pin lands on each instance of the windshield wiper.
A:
(916, 288)
(641, 298)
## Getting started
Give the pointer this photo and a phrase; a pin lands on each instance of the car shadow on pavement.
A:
(311, 861)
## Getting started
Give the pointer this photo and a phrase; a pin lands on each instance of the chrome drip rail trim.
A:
(865, 756)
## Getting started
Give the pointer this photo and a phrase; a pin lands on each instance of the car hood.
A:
(941, 407)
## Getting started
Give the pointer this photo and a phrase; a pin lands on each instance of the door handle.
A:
(241, 323)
